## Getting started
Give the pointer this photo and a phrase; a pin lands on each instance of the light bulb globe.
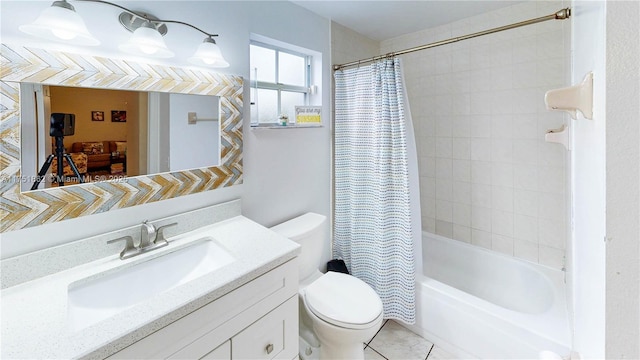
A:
(147, 40)
(208, 54)
(60, 22)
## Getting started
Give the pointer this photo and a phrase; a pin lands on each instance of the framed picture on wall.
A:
(97, 116)
(118, 116)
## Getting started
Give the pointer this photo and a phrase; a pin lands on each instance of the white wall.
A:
(286, 173)
(606, 163)
(193, 145)
(589, 185)
(606, 182)
(623, 180)
(487, 176)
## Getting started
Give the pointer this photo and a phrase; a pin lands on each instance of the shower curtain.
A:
(372, 216)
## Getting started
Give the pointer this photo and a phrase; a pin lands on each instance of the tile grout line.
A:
(378, 332)
(376, 351)
(430, 350)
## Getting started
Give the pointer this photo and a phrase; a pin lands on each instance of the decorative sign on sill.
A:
(308, 115)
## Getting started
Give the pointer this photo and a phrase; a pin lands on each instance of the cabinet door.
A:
(274, 336)
(222, 352)
(197, 333)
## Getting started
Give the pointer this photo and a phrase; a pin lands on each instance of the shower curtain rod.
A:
(559, 15)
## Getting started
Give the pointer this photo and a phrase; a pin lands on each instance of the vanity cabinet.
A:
(258, 320)
(222, 352)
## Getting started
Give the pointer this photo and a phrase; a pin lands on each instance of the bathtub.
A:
(478, 303)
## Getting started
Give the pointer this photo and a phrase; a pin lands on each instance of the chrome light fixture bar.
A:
(60, 22)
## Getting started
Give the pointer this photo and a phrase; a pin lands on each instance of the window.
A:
(280, 80)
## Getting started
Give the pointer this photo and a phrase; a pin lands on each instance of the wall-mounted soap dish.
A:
(560, 136)
(573, 98)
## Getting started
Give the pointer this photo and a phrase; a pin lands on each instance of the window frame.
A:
(278, 86)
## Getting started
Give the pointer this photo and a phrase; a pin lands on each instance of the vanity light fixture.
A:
(146, 40)
(61, 22)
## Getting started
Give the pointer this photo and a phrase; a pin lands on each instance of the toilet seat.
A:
(343, 300)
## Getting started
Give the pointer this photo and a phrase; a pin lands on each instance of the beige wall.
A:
(348, 45)
(82, 101)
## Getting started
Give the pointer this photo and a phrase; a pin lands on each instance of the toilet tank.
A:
(310, 231)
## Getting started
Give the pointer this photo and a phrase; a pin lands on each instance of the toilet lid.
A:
(343, 300)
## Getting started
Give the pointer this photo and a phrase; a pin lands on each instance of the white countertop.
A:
(34, 314)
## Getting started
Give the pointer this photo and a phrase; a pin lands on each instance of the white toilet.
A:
(343, 310)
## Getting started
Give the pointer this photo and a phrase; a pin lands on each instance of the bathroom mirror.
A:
(112, 133)
(22, 66)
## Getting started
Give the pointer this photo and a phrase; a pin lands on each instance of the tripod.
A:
(60, 155)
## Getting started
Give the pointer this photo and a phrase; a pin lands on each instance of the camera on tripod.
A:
(62, 124)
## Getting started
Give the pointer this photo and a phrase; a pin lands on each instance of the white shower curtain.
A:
(372, 222)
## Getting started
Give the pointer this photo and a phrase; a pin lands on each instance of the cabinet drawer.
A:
(222, 352)
(274, 336)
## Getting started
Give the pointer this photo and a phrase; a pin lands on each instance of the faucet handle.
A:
(147, 234)
(160, 233)
(130, 248)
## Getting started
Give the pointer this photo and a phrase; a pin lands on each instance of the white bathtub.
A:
(475, 302)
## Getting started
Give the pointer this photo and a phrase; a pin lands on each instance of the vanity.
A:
(224, 287)
(226, 290)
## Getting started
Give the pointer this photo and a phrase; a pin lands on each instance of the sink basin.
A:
(102, 296)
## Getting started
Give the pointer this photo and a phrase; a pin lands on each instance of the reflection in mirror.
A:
(194, 138)
(116, 133)
(56, 68)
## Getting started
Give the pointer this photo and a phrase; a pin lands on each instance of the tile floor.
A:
(395, 342)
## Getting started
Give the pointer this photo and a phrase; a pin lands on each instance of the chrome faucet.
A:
(150, 239)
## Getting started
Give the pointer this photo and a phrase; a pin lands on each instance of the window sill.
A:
(278, 126)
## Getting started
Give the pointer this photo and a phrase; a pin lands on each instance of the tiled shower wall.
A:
(486, 175)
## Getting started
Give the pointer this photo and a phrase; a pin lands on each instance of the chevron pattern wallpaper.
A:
(20, 64)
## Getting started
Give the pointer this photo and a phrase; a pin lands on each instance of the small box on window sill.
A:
(308, 115)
